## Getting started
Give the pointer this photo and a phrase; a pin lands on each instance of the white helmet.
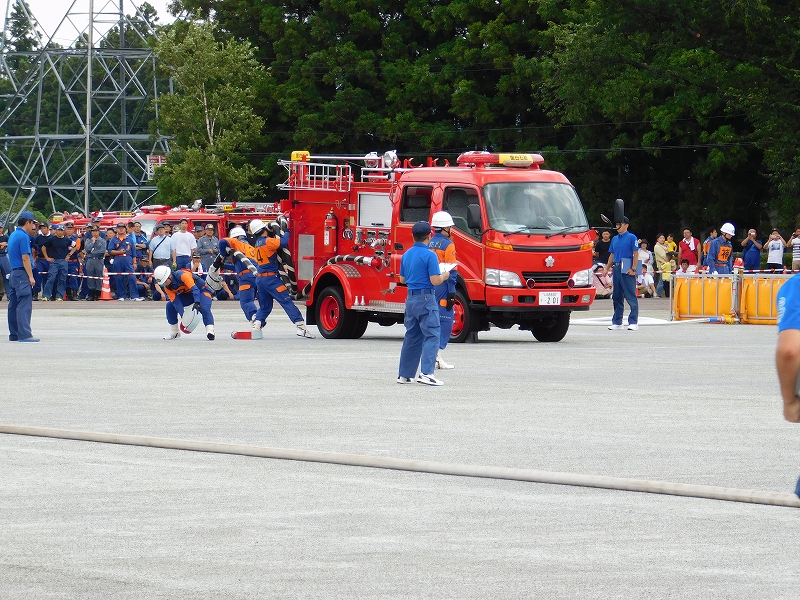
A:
(441, 219)
(161, 274)
(257, 226)
(728, 228)
(237, 232)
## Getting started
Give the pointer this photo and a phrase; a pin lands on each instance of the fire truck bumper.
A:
(534, 300)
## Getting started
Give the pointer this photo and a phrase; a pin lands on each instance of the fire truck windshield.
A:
(148, 226)
(533, 207)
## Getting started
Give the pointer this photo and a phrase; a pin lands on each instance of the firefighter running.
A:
(183, 289)
(269, 239)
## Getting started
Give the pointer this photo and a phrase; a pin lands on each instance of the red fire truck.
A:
(523, 241)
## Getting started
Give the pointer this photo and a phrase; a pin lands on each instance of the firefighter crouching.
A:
(269, 239)
(442, 245)
(183, 289)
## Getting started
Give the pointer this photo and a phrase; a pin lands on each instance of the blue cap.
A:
(56, 227)
(421, 228)
(26, 214)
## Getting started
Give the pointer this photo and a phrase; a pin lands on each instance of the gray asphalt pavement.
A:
(690, 403)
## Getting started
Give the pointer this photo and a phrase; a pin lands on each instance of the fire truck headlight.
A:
(583, 278)
(502, 278)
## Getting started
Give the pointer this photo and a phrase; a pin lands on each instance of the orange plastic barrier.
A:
(758, 304)
(697, 296)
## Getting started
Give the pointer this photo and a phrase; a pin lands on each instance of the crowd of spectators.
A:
(70, 266)
(689, 255)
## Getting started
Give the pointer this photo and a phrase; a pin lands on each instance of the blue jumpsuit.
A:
(624, 246)
(247, 290)
(186, 288)
(720, 256)
(123, 263)
(441, 245)
(269, 285)
(18, 287)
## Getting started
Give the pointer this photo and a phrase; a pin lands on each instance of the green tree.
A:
(210, 115)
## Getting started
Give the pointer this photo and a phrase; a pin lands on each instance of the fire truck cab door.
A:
(469, 247)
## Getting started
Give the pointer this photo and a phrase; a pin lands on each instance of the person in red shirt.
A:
(690, 249)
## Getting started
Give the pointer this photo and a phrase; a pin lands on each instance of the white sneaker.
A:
(174, 333)
(256, 324)
(139, 299)
(120, 299)
(615, 327)
(428, 379)
(633, 327)
(440, 364)
(210, 332)
(404, 380)
(302, 331)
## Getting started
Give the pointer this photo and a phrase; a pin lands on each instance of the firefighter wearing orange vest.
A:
(442, 245)
(269, 239)
(720, 251)
(183, 289)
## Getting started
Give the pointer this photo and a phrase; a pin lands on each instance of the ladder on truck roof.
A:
(316, 176)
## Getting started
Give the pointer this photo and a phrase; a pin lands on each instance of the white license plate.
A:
(549, 298)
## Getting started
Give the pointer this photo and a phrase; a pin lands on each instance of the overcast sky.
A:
(50, 14)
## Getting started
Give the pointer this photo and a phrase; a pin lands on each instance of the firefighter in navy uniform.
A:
(269, 239)
(246, 282)
(73, 265)
(720, 251)
(442, 245)
(183, 289)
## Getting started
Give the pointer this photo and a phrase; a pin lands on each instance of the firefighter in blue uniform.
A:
(720, 251)
(247, 281)
(21, 280)
(270, 287)
(73, 266)
(184, 288)
(121, 250)
(442, 245)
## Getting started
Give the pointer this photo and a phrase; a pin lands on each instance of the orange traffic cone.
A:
(105, 293)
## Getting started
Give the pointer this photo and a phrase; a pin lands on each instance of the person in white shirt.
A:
(795, 244)
(182, 243)
(775, 245)
(645, 285)
(197, 264)
(645, 256)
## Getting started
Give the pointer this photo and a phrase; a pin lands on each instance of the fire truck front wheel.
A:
(464, 319)
(334, 319)
(551, 330)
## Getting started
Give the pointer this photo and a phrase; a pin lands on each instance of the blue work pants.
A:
(56, 277)
(124, 264)
(421, 342)
(40, 268)
(183, 262)
(445, 316)
(624, 287)
(247, 295)
(20, 305)
(270, 287)
(73, 281)
(181, 301)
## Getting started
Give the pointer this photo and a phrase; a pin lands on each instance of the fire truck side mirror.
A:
(474, 216)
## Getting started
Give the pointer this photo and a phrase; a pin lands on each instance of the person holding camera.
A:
(751, 251)
(794, 242)
(775, 246)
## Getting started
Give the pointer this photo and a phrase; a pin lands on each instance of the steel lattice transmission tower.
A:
(74, 119)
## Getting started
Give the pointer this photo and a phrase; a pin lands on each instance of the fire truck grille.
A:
(546, 277)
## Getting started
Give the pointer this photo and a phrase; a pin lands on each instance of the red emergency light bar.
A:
(480, 159)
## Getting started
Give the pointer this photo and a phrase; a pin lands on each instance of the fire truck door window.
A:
(374, 210)
(416, 204)
(148, 226)
(456, 202)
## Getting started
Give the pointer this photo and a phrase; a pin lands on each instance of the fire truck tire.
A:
(464, 319)
(359, 327)
(334, 319)
(553, 332)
